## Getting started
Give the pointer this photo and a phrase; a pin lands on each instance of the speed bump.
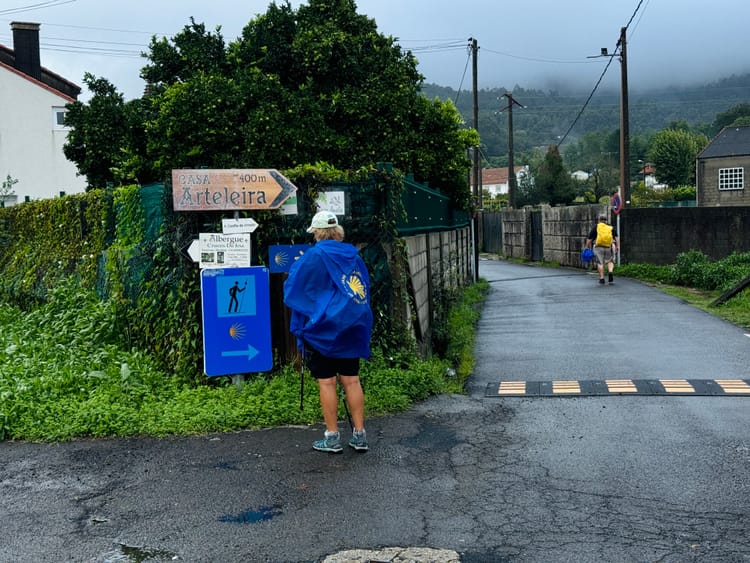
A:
(611, 387)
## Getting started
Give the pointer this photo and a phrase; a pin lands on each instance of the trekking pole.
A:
(242, 297)
(346, 409)
(302, 382)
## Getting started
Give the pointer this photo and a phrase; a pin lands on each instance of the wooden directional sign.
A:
(229, 190)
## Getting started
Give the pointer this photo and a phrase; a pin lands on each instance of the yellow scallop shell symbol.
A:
(356, 285)
(281, 259)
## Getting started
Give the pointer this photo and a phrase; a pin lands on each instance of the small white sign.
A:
(289, 207)
(335, 202)
(219, 250)
(194, 250)
(234, 226)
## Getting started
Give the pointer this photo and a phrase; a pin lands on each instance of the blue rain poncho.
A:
(328, 291)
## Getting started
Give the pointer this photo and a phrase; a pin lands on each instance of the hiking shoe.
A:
(329, 443)
(358, 441)
(611, 279)
(601, 281)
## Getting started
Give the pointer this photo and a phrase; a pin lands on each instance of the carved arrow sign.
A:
(229, 189)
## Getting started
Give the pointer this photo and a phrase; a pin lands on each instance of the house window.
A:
(58, 118)
(731, 178)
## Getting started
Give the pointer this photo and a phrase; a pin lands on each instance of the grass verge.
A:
(64, 375)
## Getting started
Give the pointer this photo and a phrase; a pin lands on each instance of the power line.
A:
(32, 7)
(611, 57)
(586, 103)
(437, 47)
(94, 28)
(460, 84)
(535, 59)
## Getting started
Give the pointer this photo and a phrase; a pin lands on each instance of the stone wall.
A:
(516, 233)
(647, 235)
(564, 231)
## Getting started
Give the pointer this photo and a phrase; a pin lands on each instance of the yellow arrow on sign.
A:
(229, 189)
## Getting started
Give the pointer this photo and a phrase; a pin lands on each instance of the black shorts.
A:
(323, 367)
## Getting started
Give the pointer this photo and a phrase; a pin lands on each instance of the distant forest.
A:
(548, 118)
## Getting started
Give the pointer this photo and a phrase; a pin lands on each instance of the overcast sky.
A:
(544, 44)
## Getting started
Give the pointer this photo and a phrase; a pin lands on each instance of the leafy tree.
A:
(98, 132)
(597, 153)
(673, 153)
(548, 182)
(552, 180)
(193, 50)
(736, 115)
(318, 84)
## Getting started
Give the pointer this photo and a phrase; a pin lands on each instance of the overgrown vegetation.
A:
(65, 374)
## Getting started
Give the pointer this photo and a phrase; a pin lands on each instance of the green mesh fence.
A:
(133, 246)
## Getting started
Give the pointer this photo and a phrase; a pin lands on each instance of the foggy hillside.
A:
(548, 117)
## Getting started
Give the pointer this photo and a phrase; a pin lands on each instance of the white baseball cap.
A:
(323, 220)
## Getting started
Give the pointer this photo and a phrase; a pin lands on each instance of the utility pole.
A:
(624, 117)
(511, 167)
(624, 122)
(475, 92)
(476, 169)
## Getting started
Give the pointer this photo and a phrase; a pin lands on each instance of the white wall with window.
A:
(32, 135)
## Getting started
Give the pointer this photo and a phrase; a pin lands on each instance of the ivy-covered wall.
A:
(128, 245)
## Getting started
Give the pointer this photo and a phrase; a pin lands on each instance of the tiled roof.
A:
(731, 141)
(496, 176)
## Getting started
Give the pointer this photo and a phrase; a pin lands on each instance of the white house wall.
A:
(30, 142)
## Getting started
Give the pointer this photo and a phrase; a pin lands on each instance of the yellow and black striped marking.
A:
(587, 388)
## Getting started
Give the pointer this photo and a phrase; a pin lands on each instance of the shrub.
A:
(689, 269)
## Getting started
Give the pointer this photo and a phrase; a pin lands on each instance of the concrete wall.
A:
(437, 261)
(657, 236)
(647, 235)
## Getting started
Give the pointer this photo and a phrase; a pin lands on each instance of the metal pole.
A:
(619, 240)
(624, 122)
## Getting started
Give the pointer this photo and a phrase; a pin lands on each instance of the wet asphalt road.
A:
(587, 479)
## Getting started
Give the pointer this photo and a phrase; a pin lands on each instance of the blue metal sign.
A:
(236, 321)
(616, 204)
(282, 256)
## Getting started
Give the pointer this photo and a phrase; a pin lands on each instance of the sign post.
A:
(616, 208)
(236, 320)
(234, 296)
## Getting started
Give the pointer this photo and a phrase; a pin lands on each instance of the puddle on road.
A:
(252, 516)
(132, 554)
